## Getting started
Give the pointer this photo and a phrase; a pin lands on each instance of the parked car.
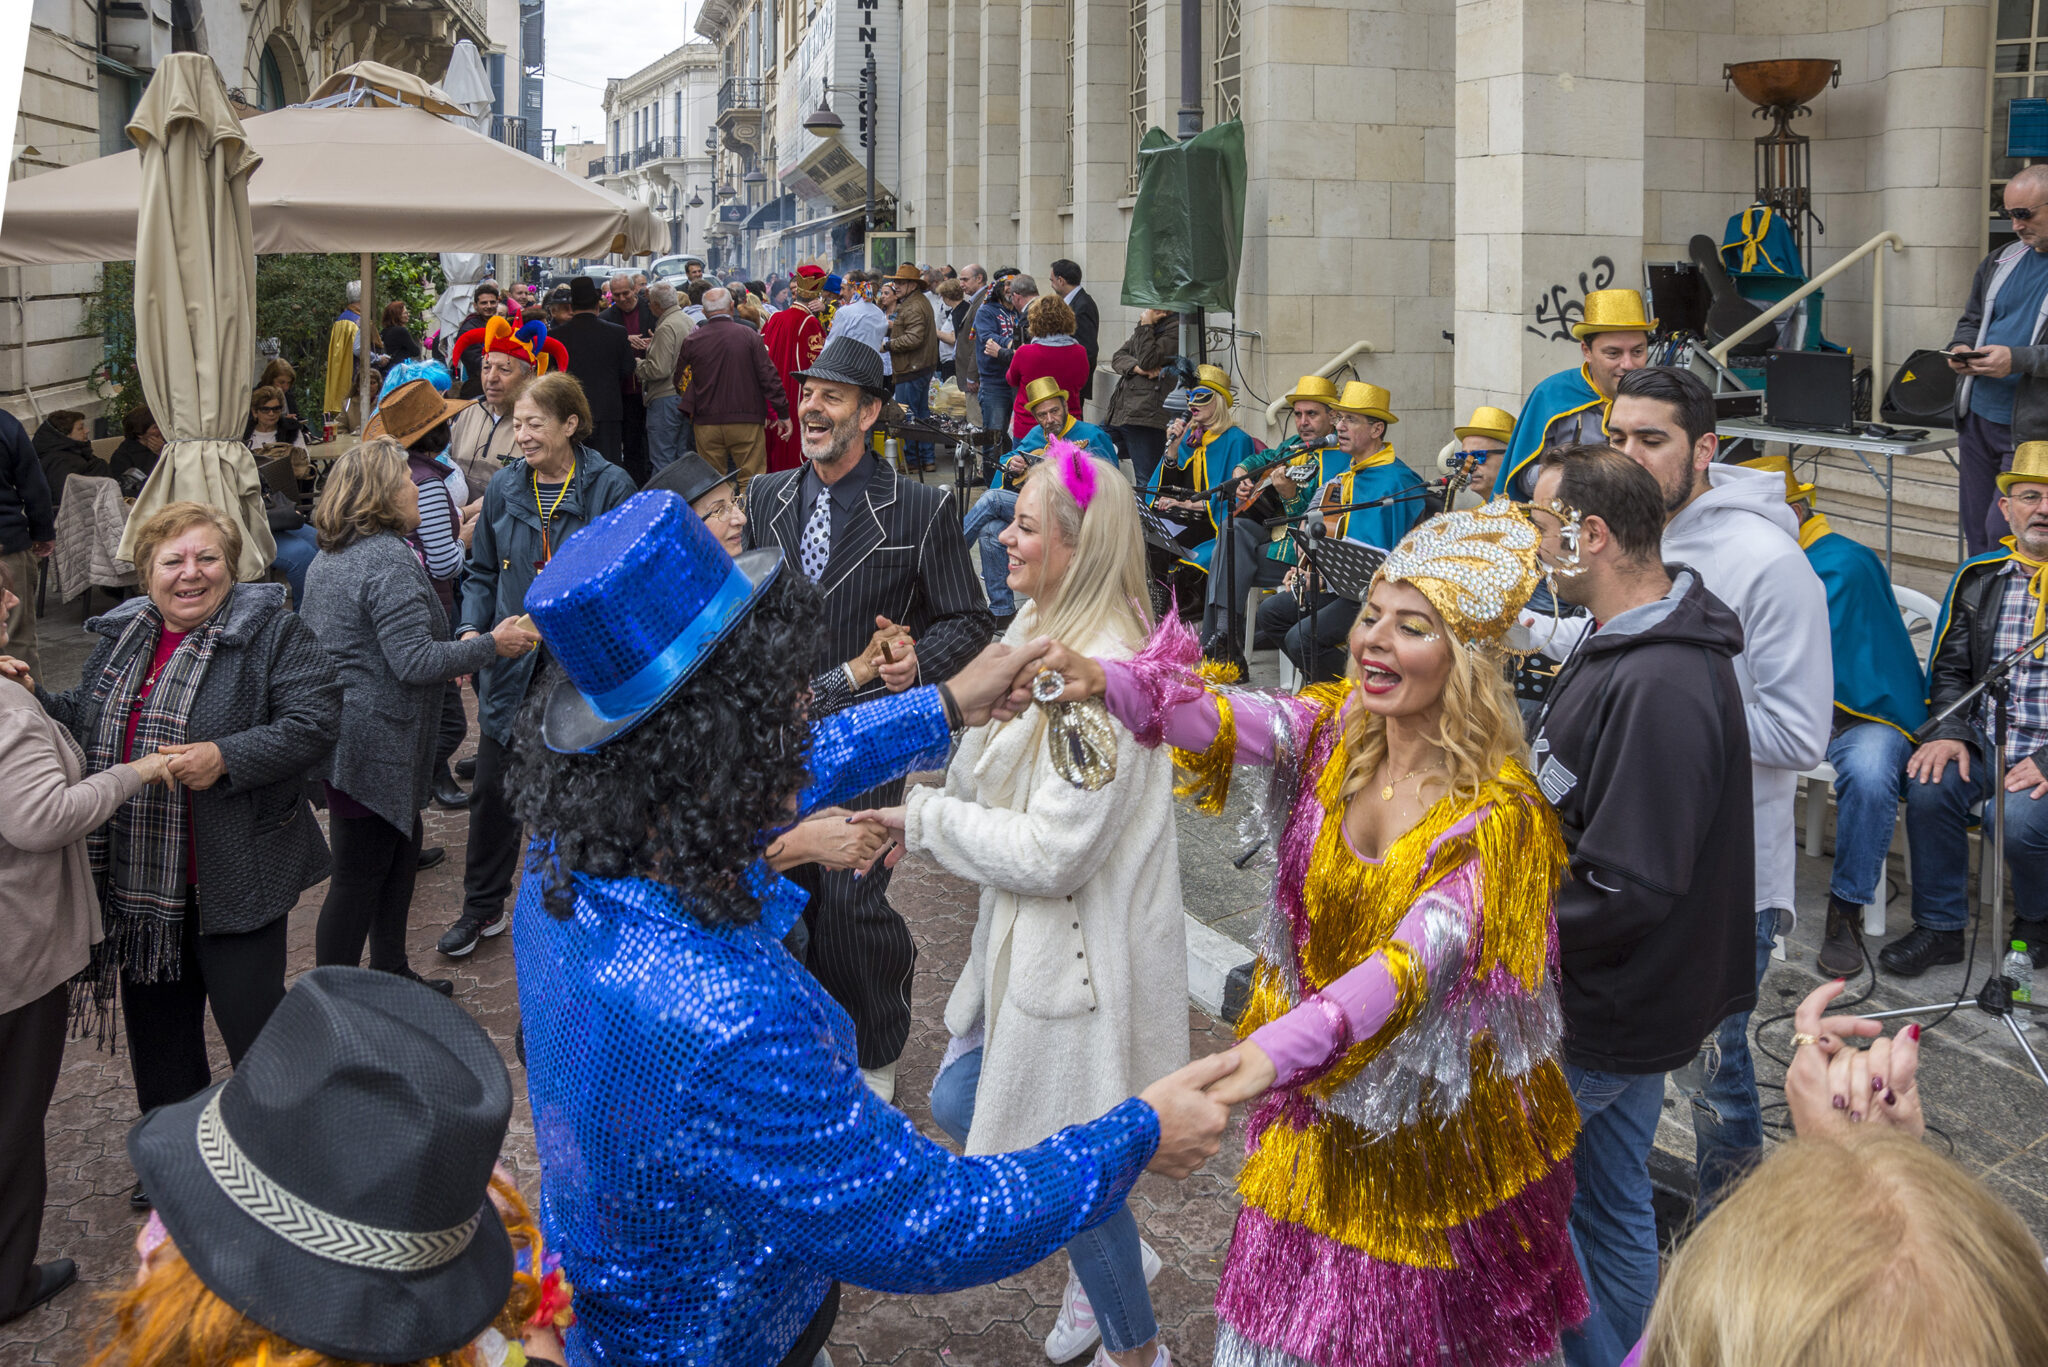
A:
(673, 267)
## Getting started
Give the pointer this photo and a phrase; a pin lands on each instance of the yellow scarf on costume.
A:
(1813, 529)
(2038, 586)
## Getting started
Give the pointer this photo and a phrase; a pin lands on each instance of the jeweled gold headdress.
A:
(1477, 567)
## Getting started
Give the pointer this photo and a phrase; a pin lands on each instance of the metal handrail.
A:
(1779, 309)
(1336, 363)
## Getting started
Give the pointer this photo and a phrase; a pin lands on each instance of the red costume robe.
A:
(794, 339)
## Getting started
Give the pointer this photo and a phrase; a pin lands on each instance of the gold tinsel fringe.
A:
(1394, 1197)
(1207, 775)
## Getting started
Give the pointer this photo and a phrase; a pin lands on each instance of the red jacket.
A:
(723, 374)
(1067, 363)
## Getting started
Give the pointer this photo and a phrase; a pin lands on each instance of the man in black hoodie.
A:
(1644, 751)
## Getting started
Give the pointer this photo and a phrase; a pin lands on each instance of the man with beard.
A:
(901, 608)
(1643, 749)
(1993, 607)
(1572, 406)
(1731, 524)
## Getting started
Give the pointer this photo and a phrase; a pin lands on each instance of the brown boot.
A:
(1841, 953)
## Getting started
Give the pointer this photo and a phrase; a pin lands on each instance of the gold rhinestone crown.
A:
(1477, 567)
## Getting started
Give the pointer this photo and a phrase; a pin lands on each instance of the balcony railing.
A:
(599, 166)
(745, 93)
(509, 129)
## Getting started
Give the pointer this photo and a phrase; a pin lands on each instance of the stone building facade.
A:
(1435, 177)
(658, 122)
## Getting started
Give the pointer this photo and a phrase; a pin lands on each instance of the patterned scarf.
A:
(143, 911)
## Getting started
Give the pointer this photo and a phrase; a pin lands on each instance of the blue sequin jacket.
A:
(710, 1158)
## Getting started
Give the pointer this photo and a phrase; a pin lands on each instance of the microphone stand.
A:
(1318, 528)
(1995, 997)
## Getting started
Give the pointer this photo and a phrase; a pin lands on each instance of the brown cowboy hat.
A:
(907, 273)
(411, 411)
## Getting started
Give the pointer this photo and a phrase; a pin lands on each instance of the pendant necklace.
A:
(1387, 792)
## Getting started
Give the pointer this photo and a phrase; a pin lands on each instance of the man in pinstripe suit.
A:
(903, 606)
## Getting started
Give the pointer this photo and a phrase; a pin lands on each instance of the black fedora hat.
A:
(846, 361)
(691, 476)
(583, 293)
(335, 1189)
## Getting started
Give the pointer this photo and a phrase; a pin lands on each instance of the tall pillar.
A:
(963, 131)
(1549, 120)
(1043, 96)
(922, 153)
(999, 56)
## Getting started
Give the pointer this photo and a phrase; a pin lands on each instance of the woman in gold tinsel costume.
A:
(1408, 1182)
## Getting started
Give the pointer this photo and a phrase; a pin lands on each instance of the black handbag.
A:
(281, 513)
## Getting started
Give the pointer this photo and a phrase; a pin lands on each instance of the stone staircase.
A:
(1925, 547)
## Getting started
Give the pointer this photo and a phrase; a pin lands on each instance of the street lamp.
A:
(754, 177)
(822, 120)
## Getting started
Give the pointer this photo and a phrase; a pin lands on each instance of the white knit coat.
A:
(1077, 972)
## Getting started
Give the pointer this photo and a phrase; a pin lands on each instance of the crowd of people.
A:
(711, 631)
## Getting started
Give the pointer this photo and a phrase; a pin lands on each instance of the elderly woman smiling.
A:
(197, 880)
(369, 600)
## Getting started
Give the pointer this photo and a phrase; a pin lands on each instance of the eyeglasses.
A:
(725, 511)
(2029, 500)
(2025, 215)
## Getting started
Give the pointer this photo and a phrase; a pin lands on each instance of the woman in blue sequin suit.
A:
(711, 1163)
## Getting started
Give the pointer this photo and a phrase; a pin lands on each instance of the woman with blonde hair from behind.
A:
(1075, 989)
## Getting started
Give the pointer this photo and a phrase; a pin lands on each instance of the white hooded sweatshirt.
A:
(1744, 541)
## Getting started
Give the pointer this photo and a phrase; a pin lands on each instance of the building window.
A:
(270, 81)
(1140, 93)
(1067, 143)
(2019, 69)
(1227, 42)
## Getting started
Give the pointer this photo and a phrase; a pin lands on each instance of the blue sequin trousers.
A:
(710, 1158)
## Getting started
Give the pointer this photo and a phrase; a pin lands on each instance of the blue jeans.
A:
(295, 551)
(1614, 1229)
(668, 432)
(1105, 1258)
(1727, 1119)
(1937, 830)
(998, 401)
(1869, 760)
(986, 520)
(916, 398)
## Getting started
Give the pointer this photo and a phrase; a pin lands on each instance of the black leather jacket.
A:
(1964, 652)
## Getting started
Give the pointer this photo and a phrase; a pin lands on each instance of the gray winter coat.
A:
(505, 555)
(271, 702)
(374, 609)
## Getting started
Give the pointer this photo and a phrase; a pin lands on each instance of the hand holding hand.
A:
(1191, 1122)
(514, 637)
(198, 766)
(1085, 677)
(1928, 762)
(1832, 1085)
(1255, 1073)
(152, 769)
(983, 683)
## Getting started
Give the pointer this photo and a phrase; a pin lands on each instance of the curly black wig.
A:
(690, 796)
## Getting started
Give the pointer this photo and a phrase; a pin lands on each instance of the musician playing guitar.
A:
(1362, 469)
(1201, 449)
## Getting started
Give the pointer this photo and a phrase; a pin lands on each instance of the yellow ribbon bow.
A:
(2038, 586)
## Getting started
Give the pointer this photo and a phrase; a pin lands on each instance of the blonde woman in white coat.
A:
(1075, 990)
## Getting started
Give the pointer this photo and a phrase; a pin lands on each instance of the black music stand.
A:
(1345, 567)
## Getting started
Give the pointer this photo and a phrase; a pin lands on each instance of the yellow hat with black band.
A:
(1488, 421)
(1314, 388)
(1366, 400)
(1614, 311)
(1782, 465)
(2029, 466)
(1212, 378)
(1043, 388)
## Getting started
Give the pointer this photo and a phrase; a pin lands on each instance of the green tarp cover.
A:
(1187, 232)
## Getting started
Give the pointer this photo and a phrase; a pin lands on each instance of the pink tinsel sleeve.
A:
(1159, 698)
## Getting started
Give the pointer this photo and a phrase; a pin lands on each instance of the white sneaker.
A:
(881, 1081)
(1076, 1331)
(1162, 1358)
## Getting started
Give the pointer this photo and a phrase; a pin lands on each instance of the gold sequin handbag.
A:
(1081, 742)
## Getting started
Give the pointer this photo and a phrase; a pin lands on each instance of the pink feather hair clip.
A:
(1076, 469)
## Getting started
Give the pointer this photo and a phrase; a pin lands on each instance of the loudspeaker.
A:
(1923, 392)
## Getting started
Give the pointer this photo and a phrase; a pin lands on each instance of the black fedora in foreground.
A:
(336, 1189)
(689, 476)
(846, 361)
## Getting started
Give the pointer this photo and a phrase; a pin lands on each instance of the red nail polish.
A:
(1840, 981)
(1913, 1032)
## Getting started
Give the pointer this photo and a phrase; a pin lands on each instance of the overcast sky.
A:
(591, 41)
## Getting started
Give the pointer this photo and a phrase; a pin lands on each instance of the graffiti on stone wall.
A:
(1557, 310)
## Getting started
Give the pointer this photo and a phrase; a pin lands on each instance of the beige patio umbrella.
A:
(195, 294)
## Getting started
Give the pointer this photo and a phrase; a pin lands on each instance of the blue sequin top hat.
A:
(631, 606)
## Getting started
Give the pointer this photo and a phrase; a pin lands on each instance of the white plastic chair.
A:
(1916, 607)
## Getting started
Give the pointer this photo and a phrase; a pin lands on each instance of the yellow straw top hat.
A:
(1216, 378)
(2029, 466)
(1367, 399)
(1487, 421)
(1782, 465)
(1041, 389)
(1614, 311)
(1314, 388)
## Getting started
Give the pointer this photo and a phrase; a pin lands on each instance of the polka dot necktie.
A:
(816, 547)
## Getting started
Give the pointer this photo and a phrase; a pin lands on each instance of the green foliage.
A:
(297, 298)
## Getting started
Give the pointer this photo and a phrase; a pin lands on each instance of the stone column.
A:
(1549, 121)
(1042, 97)
(922, 149)
(1000, 56)
(963, 130)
